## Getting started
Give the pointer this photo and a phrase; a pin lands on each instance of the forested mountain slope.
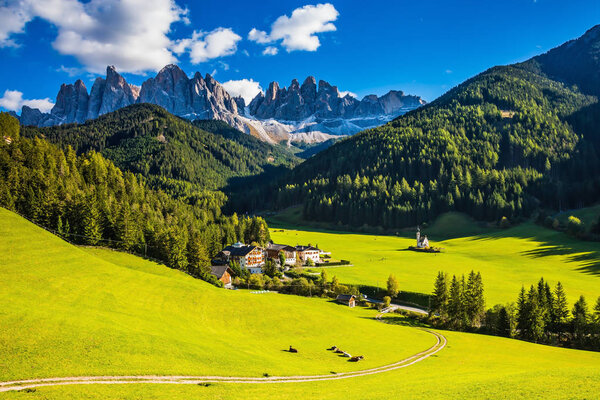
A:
(87, 199)
(170, 152)
(504, 143)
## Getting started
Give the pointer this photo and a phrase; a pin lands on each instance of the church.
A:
(422, 241)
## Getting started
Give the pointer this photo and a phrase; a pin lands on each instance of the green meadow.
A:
(71, 311)
(68, 311)
(507, 258)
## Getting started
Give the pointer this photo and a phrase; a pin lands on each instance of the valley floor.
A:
(69, 311)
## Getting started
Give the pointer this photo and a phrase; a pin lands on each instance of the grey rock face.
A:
(297, 103)
(170, 89)
(71, 103)
(117, 92)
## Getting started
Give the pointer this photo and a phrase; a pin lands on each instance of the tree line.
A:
(541, 314)
(88, 200)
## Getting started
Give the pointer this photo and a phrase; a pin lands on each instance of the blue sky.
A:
(421, 47)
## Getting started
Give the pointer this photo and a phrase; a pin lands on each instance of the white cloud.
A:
(270, 51)
(204, 46)
(247, 88)
(299, 31)
(71, 71)
(12, 100)
(346, 92)
(448, 71)
(133, 35)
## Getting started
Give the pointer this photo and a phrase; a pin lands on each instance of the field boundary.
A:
(25, 384)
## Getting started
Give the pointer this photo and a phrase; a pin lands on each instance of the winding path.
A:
(194, 380)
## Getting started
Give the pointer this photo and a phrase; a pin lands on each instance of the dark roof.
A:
(238, 251)
(345, 297)
(219, 270)
(280, 247)
(304, 248)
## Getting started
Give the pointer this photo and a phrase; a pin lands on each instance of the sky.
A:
(364, 47)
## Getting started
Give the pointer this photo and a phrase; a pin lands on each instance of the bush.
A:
(574, 226)
(387, 300)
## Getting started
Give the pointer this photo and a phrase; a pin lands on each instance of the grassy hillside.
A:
(82, 311)
(68, 311)
(507, 258)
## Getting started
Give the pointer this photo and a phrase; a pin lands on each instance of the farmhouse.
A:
(223, 273)
(347, 299)
(247, 256)
(273, 250)
(308, 253)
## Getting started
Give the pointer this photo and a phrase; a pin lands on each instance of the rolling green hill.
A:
(504, 143)
(68, 311)
(507, 258)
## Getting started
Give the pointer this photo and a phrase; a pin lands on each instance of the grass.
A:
(506, 258)
(66, 310)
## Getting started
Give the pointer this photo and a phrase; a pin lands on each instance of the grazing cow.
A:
(347, 354)
(293, 350)
(338, 351)
(334, 348)
(356, 358)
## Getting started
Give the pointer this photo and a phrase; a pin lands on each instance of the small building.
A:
(308, 253)
(346, 299)
(248, 257)
(273, 251)
(7, 139)
(422, 241)
(223, 273)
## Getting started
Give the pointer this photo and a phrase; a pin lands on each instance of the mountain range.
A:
(299, 113)
(509, 142)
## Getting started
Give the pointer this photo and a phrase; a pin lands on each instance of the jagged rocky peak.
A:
(298, 102)
(71, 102)
(117, 92)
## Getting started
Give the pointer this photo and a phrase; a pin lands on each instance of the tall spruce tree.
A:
(522, 312)
(535, 322)
(504, 327)
(439, 300)
(597, 312)
(456, 309)
(474, 300)
(561, 308)
(580, 319)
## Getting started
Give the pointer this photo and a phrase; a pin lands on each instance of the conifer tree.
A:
(535, 323)
(561, 310)
(580, 318)
(439, 300)
(456, 303)
(597, 312)
(504, 327)
(522, 312)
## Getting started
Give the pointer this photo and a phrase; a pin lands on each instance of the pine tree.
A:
(439, 300)
(561, 310)
(580, 318)
(597, 311)
(522, 312)
(456, 303)
(92, 230)
(535, 323)
(474, 300)
(504, 327)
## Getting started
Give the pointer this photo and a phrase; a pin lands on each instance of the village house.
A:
(223, 273)
(7, 139)
(247, 256)
(346, 299)
(273, 251)
(305, 253)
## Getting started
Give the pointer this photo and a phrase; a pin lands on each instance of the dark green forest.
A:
(87, 199)
(179, 157)
(507, 142)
